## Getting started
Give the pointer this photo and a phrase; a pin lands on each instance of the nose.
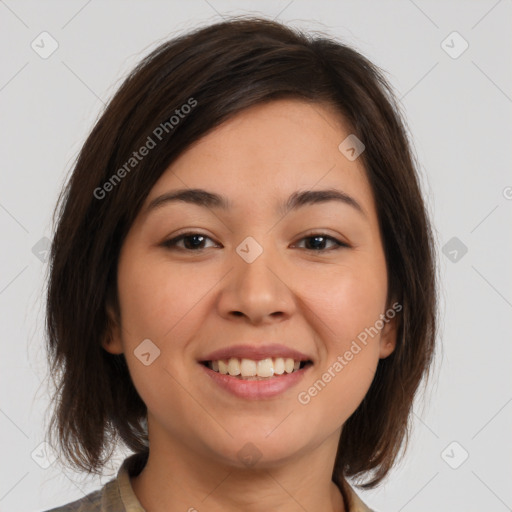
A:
(257, 292)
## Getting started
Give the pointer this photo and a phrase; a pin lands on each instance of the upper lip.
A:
(256, 352)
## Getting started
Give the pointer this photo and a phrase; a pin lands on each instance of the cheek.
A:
(346, 302)
(163, 303)
(160, 298)
(340, 389)
(160, 303)
(345, 299)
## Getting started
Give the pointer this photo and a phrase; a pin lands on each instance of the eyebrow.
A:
(212, 200)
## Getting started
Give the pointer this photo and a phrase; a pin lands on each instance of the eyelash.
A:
(172, 243)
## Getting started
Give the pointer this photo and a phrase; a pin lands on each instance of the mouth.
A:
(256, 369)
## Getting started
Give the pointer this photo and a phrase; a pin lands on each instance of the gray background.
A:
(459, 114)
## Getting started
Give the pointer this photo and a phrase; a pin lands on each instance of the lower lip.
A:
(256, 389)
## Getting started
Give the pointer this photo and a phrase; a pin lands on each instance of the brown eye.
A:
(191, 242)
(318, 241)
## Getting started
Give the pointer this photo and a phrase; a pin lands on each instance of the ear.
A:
(388, 337)
(112, 339)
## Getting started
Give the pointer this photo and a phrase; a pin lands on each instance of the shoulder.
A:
(89, 503)
(115, 496)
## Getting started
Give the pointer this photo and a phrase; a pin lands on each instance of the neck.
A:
(177, 478)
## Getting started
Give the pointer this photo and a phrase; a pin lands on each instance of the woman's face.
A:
(259, 278)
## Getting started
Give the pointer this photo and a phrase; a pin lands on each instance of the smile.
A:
(255, 387)
(251, 369)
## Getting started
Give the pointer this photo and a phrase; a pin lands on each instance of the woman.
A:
(242, 285)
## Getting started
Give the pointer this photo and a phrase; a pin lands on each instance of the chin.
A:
(256, 449)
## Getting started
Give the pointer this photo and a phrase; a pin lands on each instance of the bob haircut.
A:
(218, 71)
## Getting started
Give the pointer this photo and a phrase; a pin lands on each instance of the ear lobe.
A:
(112, 339)
(388, 337)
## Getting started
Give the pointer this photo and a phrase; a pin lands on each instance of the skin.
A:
(191, 303)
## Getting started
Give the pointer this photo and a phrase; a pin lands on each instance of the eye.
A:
(318, 241)
(195, 242)
(191, 242)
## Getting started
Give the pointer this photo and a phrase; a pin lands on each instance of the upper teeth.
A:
(251, 368)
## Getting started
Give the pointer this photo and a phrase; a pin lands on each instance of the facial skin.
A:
(189, 302)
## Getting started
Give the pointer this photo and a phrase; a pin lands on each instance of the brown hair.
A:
(222, 69)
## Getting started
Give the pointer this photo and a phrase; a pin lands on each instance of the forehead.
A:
(268, 151)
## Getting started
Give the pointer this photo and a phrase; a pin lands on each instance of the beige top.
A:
(117, 495)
